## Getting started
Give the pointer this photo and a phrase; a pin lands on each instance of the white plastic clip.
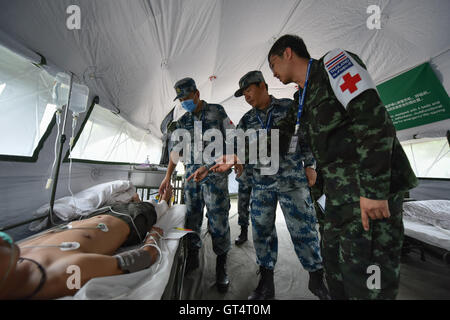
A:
(68, 246)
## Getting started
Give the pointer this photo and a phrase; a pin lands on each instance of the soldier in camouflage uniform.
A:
(289, 187)
(213, 192)
(365, 170)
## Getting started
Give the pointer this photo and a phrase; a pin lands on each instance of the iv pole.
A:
(58, 159)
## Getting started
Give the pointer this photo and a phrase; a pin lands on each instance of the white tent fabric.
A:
(106, 137)
(130, 53)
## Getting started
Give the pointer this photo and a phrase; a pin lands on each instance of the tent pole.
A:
(58, 159)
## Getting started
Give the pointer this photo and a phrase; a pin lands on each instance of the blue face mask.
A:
(189, 105)
(6, 238)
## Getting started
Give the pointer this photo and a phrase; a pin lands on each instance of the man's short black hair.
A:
(289, 41)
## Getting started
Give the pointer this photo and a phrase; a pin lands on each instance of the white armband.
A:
(347, 77)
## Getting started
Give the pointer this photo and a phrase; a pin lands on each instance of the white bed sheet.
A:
(427, 233)
(434, 212)
(147, 284)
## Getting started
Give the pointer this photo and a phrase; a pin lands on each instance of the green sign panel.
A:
(415, 98)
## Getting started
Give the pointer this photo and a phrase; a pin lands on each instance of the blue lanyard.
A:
(302, 98)
(269, 121)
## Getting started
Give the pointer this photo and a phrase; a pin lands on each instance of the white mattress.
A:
(427, 233)
(434, 212)
(147, 284)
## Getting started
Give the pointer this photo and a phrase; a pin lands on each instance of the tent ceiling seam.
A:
(277, 36)
(214, 69)
(284, 26)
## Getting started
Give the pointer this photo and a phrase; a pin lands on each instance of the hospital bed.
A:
(163, 280)
(427, 227)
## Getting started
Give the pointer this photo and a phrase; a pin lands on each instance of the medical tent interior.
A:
(122, 59)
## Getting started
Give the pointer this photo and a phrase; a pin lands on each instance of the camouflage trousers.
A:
(301, 222)
(321, 220)
(353, 258)
(213, 193)
(245, 191)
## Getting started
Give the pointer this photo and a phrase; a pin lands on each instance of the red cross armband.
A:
(348, 78)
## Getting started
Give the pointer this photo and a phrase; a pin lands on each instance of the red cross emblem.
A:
(350, 82)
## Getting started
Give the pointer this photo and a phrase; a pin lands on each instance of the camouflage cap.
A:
(184, 87)
(250, 78)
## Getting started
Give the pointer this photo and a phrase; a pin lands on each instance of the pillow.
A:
(84, 202)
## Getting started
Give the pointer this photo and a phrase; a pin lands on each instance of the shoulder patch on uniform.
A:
(228, 124)
(347, 77)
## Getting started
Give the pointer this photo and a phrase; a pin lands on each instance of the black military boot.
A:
(243, 236)
(266, 287)
(192, 261)
(317, 285)
(222, 280)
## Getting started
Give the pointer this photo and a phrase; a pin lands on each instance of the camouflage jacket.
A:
(355, 146)
(212, 116)
(291, 173)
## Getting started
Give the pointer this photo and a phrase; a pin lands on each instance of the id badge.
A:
(293, 144)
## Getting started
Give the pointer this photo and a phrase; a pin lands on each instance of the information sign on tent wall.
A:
(415, 98)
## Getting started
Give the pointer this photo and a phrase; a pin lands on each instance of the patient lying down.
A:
(43, 266)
